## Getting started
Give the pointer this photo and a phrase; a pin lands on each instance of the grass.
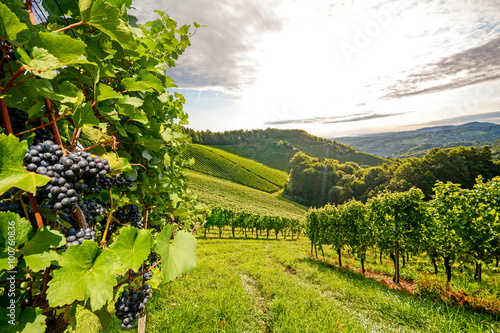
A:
(223, 193)
(249, 285)
(221, 164)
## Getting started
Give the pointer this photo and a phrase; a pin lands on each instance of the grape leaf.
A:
(37, 253)
(12, 172)
(86, 272)
(115, 163)
(106, 18)
(85, 116)
(42, 63)
(20, 227)
(10, 25)
(180, 256)
(132, 85)
(105, 92)
(63, 47)
(30, 321)
(132, 246)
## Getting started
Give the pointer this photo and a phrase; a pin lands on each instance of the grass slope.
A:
(223, 193)
(249, 285)
(219, 163)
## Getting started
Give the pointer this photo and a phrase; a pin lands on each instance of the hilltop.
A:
(275, 147)
(418, 142)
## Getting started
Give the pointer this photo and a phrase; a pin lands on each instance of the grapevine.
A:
(74, 140)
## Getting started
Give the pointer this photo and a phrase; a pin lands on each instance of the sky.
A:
(336, 67)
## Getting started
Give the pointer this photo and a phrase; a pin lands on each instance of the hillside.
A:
(417, 143)
(221, 164)
(224, 193)
(275, 148)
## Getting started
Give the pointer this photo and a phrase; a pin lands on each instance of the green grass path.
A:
(259, 285)
(273, 286)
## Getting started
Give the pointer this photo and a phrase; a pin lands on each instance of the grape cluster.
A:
(9, 206)
(76, 237)
(130, 213)
(92, 209)
(71, 175)
(130, 304)
(42, 135)
(147, 276)
(18, 120)
(115, 181)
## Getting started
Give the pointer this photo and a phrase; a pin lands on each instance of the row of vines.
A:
(253, 223)
(458, 225)
(91, 170)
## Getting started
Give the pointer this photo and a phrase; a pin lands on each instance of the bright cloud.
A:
(336, 67)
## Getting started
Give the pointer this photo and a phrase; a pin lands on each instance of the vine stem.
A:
(14, 78)
(108, 222)
(127, 280)
(53, 122)
(71, 26)
(5, 116)
(30, 12)
(34, 205)
(42, 126)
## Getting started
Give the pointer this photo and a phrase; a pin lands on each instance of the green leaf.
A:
(106, 18)
(37, 252)
(12, 172)
(115, 163)
(133, 113)
(150, 143)
(10, 25)
(42, 63)
(84, 5)
(12, 225)
(85, 116)
(86, 273)
(63, 47)
(94, 136)
(130, 100)
(179, 257)
(104, 316)
(105, 92)
(31, 321)
(132, 85)
(67, 91)
(132, 246)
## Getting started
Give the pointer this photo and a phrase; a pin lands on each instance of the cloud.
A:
(334, 119)
(221, 55)
(471, 66)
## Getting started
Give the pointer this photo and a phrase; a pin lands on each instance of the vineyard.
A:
(94, 209)
(221, 164)
(460, 226)
(221, 193)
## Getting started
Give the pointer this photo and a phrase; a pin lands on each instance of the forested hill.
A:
(275, 147)
(417, 143)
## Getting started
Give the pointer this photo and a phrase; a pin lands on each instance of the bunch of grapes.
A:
(115, 181)
(147, 276)
(92, 209)
(130, 213)
(130, 304)
(18, 120)
(76, 237)
(70, 175)
(9, 206)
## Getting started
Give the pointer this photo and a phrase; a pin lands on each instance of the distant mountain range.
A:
(418, 142)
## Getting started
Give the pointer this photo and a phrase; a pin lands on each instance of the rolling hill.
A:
(222, 164)
(275, 148)
(417, 143)
(214, 191)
